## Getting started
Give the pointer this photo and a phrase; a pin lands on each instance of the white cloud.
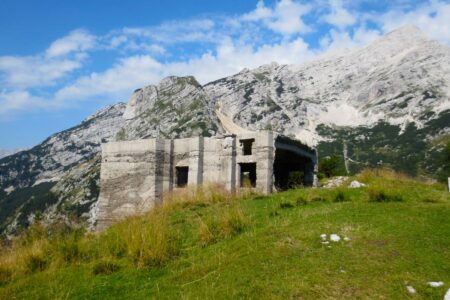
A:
(285, 18)
(186, 31)
(338, 15)
(62, 57)
(20, 101)
(339, 41)
(226, 45)
(124, 76)
(137, 71)
(260, 13)
(32, 71)
(432, 17)
(76, 41)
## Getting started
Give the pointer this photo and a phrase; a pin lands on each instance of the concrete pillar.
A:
(265, 153)
(229, 155)
(196, 146)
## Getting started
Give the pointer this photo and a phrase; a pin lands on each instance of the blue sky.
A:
(60, 61)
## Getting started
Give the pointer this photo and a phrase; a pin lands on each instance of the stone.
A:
(435, 284)
(335, 237)
(356, 184)
(447, 295)
(411, 289)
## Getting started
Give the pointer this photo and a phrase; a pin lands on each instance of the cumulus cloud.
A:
(200, 30)
(125, 75)
(136, 71)
(26, 72)
(223, 45)
(338, 15)
(432, 17)
(284, 18)
(62, 57)
(76, 41)
(338, 41)
(20, 100)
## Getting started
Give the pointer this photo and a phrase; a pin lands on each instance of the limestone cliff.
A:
(387, 104)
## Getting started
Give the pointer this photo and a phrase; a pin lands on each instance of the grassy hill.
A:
(212, 245)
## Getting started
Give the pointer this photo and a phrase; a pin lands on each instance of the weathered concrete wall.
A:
(263, 152)
(136, 174)
(128, 179)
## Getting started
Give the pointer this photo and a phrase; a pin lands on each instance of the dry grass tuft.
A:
(369, 175)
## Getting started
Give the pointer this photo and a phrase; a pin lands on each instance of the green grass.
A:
(259, 247)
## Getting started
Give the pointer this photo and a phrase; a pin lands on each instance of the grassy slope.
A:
(278, 254)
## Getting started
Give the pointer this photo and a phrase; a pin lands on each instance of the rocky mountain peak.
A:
(406, 32)
(112, 109)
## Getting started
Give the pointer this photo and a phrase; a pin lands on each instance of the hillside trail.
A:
(228, 124)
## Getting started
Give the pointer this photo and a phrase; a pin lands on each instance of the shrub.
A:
(369, 175)
(5, 275)
(381, 195)
(35, 262)
(318, 199)
(331, 166)
(295, 179)
(284, 205)
(301, 201)
(197, 195)
(69, 250)
(340, 196)
(105, 267)
(147, 240)
(205, 234)
(233, 222)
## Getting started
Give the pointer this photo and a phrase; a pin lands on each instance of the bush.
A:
(233, 222)
(205, 234)
(105, 267)
(301, 201)
(35, 262)
(340, 196)
(380, 195)
(318, 199)
(147, 240)
(296, 179)
(331, 166)
(284, 205)
(5, 275)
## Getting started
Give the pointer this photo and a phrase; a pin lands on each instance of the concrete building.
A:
(135, 174)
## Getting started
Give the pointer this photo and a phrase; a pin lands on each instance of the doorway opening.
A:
(248, 174)
(182, 174)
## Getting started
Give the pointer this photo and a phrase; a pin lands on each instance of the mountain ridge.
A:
(397, 86)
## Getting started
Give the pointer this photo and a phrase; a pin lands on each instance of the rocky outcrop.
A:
(401, 78)
(37, 170)
(176, 107)
(387, 104)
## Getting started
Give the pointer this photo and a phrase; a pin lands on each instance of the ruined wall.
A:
(135, 174)
(132, 178)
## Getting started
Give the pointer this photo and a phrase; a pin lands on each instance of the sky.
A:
(60, 61)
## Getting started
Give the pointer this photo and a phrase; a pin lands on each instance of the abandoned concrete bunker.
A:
(135, 174)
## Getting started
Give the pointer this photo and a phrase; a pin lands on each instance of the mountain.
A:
(401, 78)
(27, 177)
(387, 104)
(7, 152)
(177, 107)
